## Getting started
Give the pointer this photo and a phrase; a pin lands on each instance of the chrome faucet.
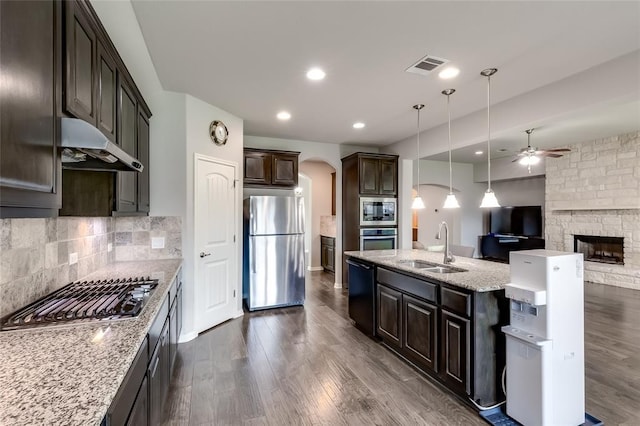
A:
(448, 257)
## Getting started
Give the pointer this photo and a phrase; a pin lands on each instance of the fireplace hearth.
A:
(609, 250)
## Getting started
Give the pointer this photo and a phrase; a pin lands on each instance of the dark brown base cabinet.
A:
(141, 396)
(446, 332)
(420, 336)
(327, 253)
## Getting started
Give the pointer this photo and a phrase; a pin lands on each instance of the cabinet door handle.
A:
(203, 254)
(359, 265)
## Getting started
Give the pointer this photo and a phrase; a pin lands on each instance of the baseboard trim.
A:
(187, 337)
(238, 314)
(337, 285)
(314, 268)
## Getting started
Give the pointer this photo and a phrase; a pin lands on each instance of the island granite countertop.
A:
(480, 275)
(62, 374)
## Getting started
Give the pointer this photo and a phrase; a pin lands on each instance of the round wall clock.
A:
(218, 132)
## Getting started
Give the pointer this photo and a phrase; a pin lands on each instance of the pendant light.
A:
(489, 200)
(417, 202)
(451, 202)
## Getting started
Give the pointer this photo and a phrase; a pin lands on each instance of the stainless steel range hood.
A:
(85, 147)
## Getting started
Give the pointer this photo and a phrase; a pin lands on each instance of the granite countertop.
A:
(60, 375)
(481, 275)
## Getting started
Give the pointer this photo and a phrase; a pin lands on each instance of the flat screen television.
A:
(517, 220)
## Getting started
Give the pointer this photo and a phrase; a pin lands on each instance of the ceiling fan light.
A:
(489, 200)
(451, 202)
(529, 160)
(417, 204)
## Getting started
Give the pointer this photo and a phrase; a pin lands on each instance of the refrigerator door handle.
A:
(252, 256)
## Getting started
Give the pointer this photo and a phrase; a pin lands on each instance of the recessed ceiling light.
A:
(502, 150)
(283, 115)
(315, 74)
(358, 125)
(479, 152)
(449, 72)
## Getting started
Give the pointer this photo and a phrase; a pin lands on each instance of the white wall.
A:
(520, 192)
(199, 116)
(468, 220)
(178, 129)
(504, 168)
(320, 175)
(433, 214)
(405, 198)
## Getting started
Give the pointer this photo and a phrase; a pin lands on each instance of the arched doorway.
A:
(321, 214)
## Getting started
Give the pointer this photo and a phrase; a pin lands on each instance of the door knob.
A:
(203, 254)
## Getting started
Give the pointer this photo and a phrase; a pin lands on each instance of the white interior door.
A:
(216, 216)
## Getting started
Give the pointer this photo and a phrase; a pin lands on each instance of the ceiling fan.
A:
(529, 156)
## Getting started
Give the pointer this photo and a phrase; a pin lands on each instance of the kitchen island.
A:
(443, 319)
(71, 374)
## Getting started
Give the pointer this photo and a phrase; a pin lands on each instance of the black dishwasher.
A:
(362, 295)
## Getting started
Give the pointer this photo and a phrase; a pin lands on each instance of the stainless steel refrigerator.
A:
(273, 261)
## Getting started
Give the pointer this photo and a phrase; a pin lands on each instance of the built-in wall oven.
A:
(378, 238)
(376, 211)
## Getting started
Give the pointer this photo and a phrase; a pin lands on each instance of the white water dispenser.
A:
(545, 339)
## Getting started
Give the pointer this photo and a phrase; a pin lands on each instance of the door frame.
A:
(237, 231)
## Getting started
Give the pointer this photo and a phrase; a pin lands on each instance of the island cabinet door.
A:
(389, 315)
(455, 350)
(420, 332)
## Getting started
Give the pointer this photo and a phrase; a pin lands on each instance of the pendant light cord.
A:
(418, 152)
(489, 132)
(418, 107)
(450, 168)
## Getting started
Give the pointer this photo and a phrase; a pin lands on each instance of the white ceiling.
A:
(250, 59)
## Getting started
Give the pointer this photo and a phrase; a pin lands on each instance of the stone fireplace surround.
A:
(595, 190)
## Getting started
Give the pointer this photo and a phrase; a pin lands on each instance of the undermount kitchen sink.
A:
(430, 267)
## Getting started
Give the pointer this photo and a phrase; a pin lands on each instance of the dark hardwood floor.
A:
(310, 366)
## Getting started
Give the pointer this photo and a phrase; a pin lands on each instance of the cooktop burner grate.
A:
(84, 300)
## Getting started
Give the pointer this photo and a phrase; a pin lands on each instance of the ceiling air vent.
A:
(427, 64)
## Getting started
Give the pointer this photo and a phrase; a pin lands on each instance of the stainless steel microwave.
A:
(375, 211)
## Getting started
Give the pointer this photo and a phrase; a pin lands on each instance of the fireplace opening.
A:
(600, 249)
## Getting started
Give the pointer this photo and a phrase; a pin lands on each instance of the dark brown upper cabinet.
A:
(127, 193)
(377, 174)
(30, 180)
(388, 181)
(107, 94)
(143, 155)
(269, 168)
(81, 73)
(99, 89)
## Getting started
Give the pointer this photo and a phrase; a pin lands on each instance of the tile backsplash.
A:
(34, 253)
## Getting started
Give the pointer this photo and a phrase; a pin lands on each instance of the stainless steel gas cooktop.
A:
(84, 301)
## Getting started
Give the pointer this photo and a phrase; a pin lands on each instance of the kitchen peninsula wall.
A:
(34, 253)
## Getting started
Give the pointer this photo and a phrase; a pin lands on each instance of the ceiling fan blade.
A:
(558, 150)
(551, 154)
(515, 159)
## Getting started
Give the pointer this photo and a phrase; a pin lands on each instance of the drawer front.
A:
(419, 288)
(456, 301)
(327, 241)
(158, 323)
